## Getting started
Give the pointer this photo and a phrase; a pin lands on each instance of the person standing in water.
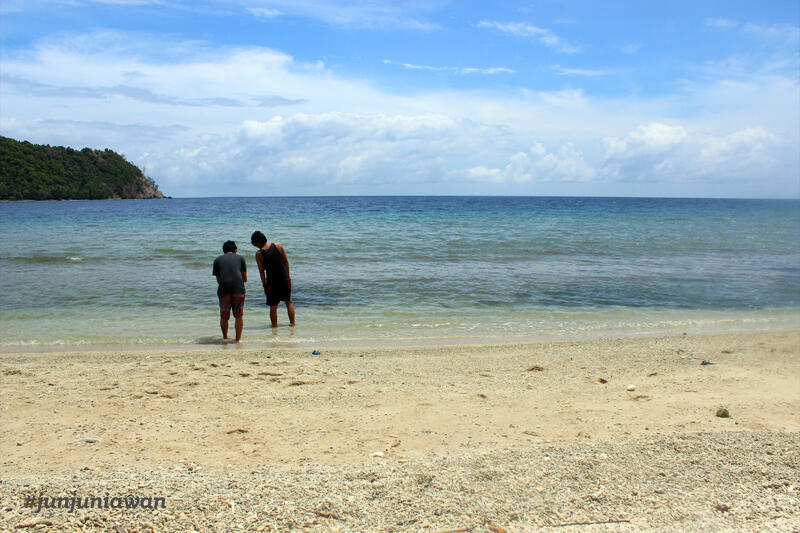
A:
(231, 273)
(273, 267)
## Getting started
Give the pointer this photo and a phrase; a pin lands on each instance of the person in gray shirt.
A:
(231, 273)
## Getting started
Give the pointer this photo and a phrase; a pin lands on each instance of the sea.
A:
(398, 270)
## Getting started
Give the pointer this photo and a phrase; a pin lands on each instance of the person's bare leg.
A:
(239, 324)
(223, 324)
(290, 310)
(273, 315)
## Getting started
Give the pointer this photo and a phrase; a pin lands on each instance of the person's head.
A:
(258, 239)
(229, 247)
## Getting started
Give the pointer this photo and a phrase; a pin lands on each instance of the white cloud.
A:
(564, 71)
(350, 14)
(776, 34)
(96, 134)
(263, 12)
(657, 137)
(539, 165)
(322, 133)
(779, 33)
(457, 70)
(568, 98)
(653, 139)
(324, 150)
(658, 152)
(743, 148)
(525, 30)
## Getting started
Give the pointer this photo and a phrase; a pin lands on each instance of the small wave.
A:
(45, 259)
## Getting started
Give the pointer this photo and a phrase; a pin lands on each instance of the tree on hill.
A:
(41, 172)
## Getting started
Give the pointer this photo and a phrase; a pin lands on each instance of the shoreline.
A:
(519, 436)
(284, 338)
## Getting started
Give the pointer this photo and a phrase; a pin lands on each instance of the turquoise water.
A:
(399, 269)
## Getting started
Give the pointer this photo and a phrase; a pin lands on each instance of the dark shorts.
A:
(231, 302)
(276, 295)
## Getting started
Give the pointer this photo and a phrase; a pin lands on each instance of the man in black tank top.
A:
(273, 267)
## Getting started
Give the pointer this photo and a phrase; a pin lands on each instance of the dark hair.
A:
(258, 239)
(229, 246)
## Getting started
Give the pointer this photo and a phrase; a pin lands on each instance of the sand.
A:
(612, 434)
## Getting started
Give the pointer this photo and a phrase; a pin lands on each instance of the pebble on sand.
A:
(33, 522)
(723, 413)
(630, 388)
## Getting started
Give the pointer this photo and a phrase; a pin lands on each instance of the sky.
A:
(363, 97)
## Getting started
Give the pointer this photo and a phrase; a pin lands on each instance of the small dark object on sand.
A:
(315, 352)
(704, 363)
(723, 413)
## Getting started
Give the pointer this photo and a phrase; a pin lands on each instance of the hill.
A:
(40, 172)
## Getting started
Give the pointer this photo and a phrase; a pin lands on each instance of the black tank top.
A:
(273, 265)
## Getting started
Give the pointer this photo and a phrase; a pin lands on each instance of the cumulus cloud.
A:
(539, 165)
(301, 128)
(664, 152)
(653, 153)
(330, 149)
(652, 138)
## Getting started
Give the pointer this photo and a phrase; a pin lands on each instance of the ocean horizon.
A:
(399, 269)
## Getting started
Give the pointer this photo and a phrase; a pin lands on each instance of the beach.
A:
(621, 434)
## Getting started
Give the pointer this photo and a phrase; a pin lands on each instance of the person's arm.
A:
(284, 258)
(244, 271)
(260, 268)
(215, 270)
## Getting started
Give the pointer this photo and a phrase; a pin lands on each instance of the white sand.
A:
(510, 437)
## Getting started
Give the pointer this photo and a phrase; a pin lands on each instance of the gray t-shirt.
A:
(229, 267)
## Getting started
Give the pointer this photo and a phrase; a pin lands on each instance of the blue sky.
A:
(282, 97)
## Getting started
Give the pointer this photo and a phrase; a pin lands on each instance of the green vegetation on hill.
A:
(39, 172)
